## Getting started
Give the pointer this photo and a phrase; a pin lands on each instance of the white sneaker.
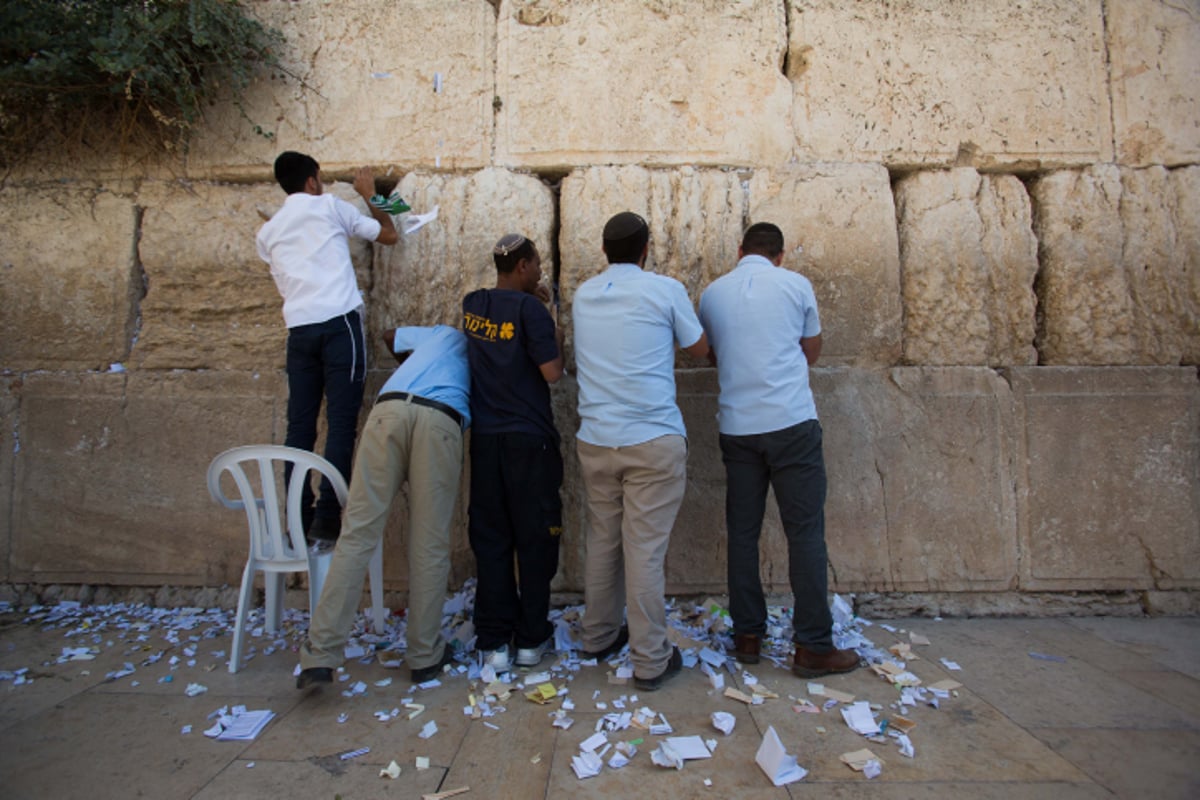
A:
(532, 656)
(497, 659)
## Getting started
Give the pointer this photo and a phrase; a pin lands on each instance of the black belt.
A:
(423, 401)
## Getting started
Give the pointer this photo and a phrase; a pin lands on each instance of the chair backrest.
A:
(276, 531)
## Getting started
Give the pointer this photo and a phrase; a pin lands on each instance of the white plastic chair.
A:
(277, 543)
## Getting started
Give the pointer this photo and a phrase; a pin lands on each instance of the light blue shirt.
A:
(755, 317)
(627, 325)
(436, 370)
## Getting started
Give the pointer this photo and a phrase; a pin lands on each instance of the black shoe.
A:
(428, 673)
(674, 667)
(313, 676)
(324, 529)
(619, 642)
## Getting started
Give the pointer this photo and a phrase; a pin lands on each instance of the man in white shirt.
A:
(307, 245)
(632, 446)
(765, 333)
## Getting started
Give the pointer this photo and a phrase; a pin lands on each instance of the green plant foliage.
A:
(145, 67)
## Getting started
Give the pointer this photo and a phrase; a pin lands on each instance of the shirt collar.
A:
(755, 260)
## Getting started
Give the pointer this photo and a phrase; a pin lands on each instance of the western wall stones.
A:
(1154, 74)
(843, 218)
(969, 260)
(68, 282)
(110, 485)
(210, 301)
(658, 82)
(9, 447)
(1119, 260)
(422, 279)
(935, 82)
(1113, 491)
(371, 82)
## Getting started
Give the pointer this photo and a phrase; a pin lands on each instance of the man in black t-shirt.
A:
(514, 348)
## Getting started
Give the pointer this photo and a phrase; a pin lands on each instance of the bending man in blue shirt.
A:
(632, 446)
(762, 322)
(414, 433)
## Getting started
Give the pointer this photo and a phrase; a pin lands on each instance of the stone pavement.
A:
(1114, 712)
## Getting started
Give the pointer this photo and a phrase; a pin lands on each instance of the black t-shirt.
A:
(509, 334)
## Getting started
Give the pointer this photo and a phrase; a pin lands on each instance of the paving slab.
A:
(1133, 763)
(1173, 642)
(254, 780)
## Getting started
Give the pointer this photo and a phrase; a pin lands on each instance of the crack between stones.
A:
(139, 285)
(1112, 121)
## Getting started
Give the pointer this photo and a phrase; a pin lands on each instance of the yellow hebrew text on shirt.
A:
(481, 327)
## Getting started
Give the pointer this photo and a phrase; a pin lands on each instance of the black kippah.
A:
(623, 225)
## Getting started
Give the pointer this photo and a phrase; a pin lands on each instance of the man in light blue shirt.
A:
(415, 434)
(764, 329)
(632, 446)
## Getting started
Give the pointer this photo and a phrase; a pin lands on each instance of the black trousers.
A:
(792, 462)
(515, 509)
(326, 360)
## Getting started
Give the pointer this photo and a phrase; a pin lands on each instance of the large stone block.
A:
(641, 81)
(1118, 281)
(1113, 485)
(109, 482)
(935, 82)
(844, 219)
(1152, 46)
(69, 287)
(371, 82)
(969, 260)
(210, 301)
(422, 280)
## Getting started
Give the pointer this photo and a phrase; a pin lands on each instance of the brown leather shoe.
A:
(746, 647)
(807, 664)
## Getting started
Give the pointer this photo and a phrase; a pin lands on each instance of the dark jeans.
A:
(326, 359)
(791, 462)
(515, 508)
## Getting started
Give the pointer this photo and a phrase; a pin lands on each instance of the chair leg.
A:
(375, 571)
(243, 608)
(274, 585)
(318, 568)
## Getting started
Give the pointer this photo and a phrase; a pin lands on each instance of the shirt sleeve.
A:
(540, 342)
(410, 338)
(685, 324)
(812, 320)
(355, 222)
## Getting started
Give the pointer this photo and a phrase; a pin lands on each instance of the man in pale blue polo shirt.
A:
(765, 333)
(414, 433)
(632, 446)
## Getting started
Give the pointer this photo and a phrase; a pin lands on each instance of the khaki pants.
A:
(633, 494)
(401, 441)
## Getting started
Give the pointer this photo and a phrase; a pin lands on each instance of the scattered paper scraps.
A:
(860, 719)
(586, 765)
(917, 639)
(906, 745)
(240, 725)
(740, 696)
(902, 724)
(543, 693)
(821, 690)
(623, 753)
(349, 754)
(421, 762)
(392, 771)
(1047, 657)
(779, 767)
(948, 685)
(803, 706)
(761, 691)
(449, 793)
(688, 747)
(903, 651)
(724, 721)
(864, 761)
(665, 756)
(950, 665)
(429, 730)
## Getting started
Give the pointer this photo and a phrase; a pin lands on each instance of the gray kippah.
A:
(623, 225)
(508, 243)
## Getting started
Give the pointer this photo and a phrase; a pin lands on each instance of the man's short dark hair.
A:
(510, 249)
(625, 237)
(762, 239)
(293, 170)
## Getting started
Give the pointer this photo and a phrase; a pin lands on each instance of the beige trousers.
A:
(633, 494)
(401, 441)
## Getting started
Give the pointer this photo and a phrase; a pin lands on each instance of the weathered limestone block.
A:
(1119, 259)
(109, 483)
(969, 260)
(210, 301)
(933, 82)
(372, 82)
(9, 405)
(422, 280)
(1152, 47)
(844, 219)
(1113, 494)
(641, 81)
(68, 284)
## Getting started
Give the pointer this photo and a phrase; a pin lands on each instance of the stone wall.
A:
(999, 209)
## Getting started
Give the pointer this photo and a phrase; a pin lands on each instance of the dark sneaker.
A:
(314, 676)
(673, 668)
(614, 648)
(746, 647)
(324, 529)
(429, 673)
(808, 664)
